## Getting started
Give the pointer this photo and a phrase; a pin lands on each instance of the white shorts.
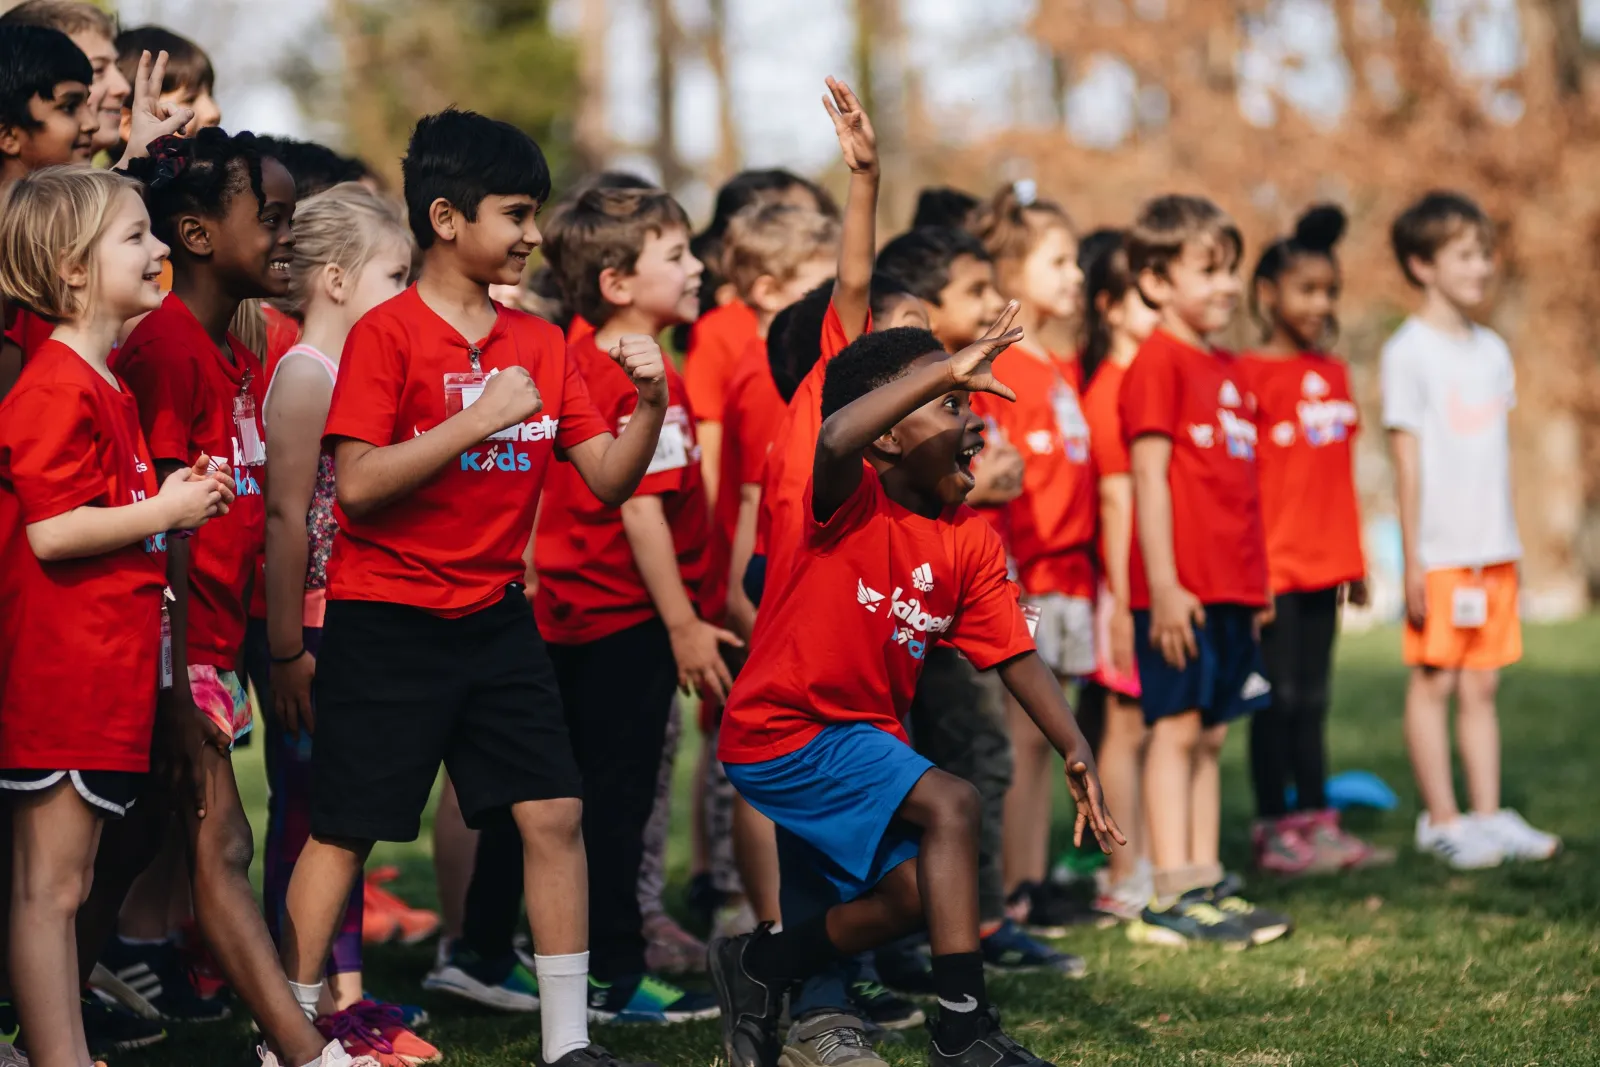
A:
(1065, 634)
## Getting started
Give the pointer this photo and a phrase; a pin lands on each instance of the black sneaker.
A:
(1010, 950)
(884, 1008)
(591, 1056)
(991, 1048)
(1192, 918)
(1045, 909)
(750, 1009)
(151, 981)
(109, 1029)
(904, 969)
(1264, 924)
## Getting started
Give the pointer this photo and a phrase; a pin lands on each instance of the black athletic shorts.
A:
(109, 793)
(400, 690)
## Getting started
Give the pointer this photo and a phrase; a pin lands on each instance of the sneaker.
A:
(1192, 919)
(10, 1025)
(1517, 840)
(412, 1016)
(1461, 843)
(108, 1028)
(1046, 909)
(1280, 846)
(589, 1056)
(750, 1008)
(504, 984)
(370, 1029)
(411, 925)
(829, 1039)
(151, 981)
(12, 1056)
(1009, 949)
(884, 1008)
(992, 1048)
(334, 1055)
(205, 973)
(647, 999)
(670, 949)
(904, 969)
(1264, 925)
(1337, 850)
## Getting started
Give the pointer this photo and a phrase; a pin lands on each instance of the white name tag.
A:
(672, 453)
(1469, 607)
(462, 390)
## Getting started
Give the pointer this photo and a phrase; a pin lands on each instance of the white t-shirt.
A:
(1455, 394)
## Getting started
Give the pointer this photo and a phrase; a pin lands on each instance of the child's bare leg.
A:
(755, 850)
(1478, 738)
(53, 862)
(1025, 846)
(947, 810)
(555, 873)
(1427, 729)
(1205, 803)
(454, 847)
(323, 876)
(1168, 793)
(1121, 759)
(220, 850)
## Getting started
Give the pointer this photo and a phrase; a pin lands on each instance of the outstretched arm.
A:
(848, 432)
(858, 244)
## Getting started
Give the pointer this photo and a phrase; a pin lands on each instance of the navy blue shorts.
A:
(1226, 681)
(836, 799)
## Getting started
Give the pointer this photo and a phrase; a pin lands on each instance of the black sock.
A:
(963, 999)
(791, 955)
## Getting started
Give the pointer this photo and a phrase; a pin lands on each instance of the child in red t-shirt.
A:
(1048, 528)
(890, 563)
(1307, 423)
(430, 652)
(1117, 321)
(1198, 569)
(83, 538)
(623, 585)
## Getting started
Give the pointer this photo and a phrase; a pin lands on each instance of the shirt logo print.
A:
(922, 578)
(500, 452)
(868, 597)
(1314, 385)
(1228, 395)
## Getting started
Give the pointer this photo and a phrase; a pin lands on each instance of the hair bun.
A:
(1320, 228)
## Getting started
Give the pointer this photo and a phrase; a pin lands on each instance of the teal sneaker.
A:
(504, 984)
(647, 999)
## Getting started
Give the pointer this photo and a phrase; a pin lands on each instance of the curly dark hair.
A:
(872, 361)
(198, 175)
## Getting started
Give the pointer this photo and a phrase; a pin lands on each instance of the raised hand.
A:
(640, 358)
(857, 141)
(151, 117)
(509, 397)
(972, 368)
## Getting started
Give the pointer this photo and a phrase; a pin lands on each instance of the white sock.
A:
(307, 996)
(563, 1003)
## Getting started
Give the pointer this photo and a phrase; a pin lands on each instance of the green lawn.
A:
(1413, 965)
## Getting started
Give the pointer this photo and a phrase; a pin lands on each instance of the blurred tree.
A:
(405, 58)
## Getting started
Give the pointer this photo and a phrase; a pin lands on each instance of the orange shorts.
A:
(1453, 596)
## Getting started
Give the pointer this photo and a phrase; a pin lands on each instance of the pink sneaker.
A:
(1335, 849)
(375, 1031)
(670, 949)
(1280, 849)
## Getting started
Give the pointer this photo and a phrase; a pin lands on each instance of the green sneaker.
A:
(647, 999)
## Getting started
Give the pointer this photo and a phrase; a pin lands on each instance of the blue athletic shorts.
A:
(837, 797)
(1226, 681)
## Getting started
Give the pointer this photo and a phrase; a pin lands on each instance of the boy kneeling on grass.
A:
(891, 562)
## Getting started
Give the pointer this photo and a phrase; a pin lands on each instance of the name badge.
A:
(464, 389)
(247, 432)
(671, 453)
(1469, 607)
(166, 641)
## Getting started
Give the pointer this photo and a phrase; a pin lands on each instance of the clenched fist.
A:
(509, 398)
(640, 358)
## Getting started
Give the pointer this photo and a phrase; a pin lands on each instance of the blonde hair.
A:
(1167, 223)
(1014, 220)
(776, 239)
(51, 220)
(346, 226)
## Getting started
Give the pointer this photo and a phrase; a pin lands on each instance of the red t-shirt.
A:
(1201, 402)
(716, 341)
(578, 329)
(1307, 422)
(589, 585)
(870, 592)
(781, 527)
(27, 331)
(455, 543)
(283, 333)
(1050, 527)
(751, 416)
(79, 639)
(186, 391)
(1101, 409)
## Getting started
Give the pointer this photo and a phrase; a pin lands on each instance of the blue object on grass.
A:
(1356, 789)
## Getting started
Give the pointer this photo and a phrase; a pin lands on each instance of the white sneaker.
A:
(333, 1055)
(1517, 840)
(1460, 843)
(12, 1056)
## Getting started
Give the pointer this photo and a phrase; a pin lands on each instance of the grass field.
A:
(1412, 965)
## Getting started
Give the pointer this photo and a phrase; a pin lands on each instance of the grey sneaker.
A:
(828, 1040)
